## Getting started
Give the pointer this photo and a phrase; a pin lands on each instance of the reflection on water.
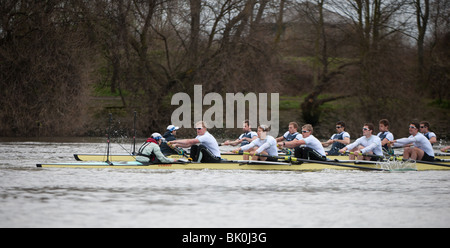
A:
(64, 197)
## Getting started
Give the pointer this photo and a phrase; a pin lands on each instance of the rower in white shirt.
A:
(204, 147)
(313, 148)
(421, 150)
(368, 144)
(264, 145)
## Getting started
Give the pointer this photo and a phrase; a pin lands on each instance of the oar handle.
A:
(286, 158)
(178, 150)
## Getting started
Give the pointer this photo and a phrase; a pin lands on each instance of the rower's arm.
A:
(433, 140)
(294, 143)
(369, 148)
(402, 142)
(236, 142)
(161, 157)
(327, 143)
(185, 143)
(345, 141)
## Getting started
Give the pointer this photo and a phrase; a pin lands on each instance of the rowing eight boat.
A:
(234, 161)
(259, 165)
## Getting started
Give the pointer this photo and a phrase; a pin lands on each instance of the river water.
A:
(64, 197)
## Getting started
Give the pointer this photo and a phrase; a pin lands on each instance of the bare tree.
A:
(312, 17)
(422, 17)
(439, 53)
(45, 68)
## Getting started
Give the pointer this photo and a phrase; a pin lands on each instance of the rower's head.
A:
(200, 127)
(307, 130)
(246, 126)
(383, 125)
(424, 127)
(368, 129)
(293, 127)
(340, 126)
(262, 131)
(414, 128)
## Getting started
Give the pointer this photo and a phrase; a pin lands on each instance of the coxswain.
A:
(151, 152)
(204, 147)
(169, 135)
(367, 144)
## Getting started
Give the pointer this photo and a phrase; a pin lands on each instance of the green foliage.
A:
(289, 104)
(443, 104)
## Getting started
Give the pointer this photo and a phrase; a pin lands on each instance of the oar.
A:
(427, 162)
(442, 154)
(441, 160)
(290, 158)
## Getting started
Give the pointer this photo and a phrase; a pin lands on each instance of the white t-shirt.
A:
(314, 143)
(209, 142)
(371, 144)
(299, 136)
(419, 141)
(269, 145)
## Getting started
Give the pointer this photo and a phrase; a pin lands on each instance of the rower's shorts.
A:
(427, 157)
(308, 153)
(272, 159)
(204, 154)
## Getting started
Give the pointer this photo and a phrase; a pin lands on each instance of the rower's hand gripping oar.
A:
(178, 150)
(285, 158)
(365, 155)
(390, 158)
